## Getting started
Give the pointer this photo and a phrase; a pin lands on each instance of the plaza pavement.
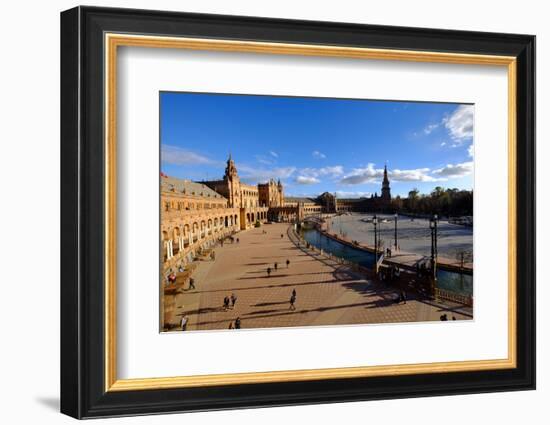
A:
(328, 293)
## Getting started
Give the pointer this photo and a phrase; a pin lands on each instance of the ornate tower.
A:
(233, 183)
(281, 193)
(230, 169)
(386, 195)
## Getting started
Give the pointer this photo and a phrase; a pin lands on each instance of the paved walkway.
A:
(327, 293)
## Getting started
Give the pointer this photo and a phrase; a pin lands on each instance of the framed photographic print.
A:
(261, 212)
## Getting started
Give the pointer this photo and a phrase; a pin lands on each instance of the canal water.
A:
(451, 281)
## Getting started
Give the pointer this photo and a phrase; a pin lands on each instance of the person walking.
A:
(183, 323)
(191, 283)
(402, 297)
(294, 292)
(292, 301)
(282, 236)
(226, 303)
(268, 271)
(233, 300)
(238, 323)
(287, 263)
(231, 325)
(275, 265)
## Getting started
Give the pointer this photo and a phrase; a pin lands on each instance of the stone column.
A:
(168, 249)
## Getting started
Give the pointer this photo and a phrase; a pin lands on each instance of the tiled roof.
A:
(298, 199)
(171, 184)
(352, 199)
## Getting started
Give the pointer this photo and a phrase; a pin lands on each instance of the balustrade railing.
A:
(454, 297)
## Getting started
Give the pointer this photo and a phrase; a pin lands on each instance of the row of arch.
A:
(184, 205)
(183, 235)
(200, 225)
(177, 238)
(252, 217)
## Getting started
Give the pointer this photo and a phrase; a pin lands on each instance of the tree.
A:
(447, 202)
(397, 203)
(412, 203)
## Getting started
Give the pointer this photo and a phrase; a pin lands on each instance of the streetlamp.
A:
(433, 228)
(395, 231)
(375, 222)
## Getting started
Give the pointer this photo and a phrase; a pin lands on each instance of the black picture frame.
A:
(83, 392)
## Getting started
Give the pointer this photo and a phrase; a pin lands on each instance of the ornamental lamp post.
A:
(375, 222)
(433, 228)
(436, 218)
(395, 230)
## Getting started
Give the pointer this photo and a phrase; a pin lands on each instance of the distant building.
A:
(374, 203)
(271, 194)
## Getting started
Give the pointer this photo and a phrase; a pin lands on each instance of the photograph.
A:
(282, 212)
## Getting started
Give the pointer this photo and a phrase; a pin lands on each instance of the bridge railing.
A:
(454, 297)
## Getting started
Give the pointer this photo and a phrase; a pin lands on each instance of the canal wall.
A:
(411, 258)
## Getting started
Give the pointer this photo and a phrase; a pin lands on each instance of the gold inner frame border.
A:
(112, 41)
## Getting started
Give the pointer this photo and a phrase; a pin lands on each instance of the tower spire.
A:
(386, 195)
(230, 170)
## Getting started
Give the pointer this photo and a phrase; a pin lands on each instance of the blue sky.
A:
(318, 144)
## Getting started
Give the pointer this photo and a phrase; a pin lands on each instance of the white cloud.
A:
(264, 161)
(177, 156)
(416, 175)
(443, 144)
(369, 174)
(274, 154)
(344, 194)
(306, 180)
(460, 124)
(255, 175)
(339, 194)
(363, 175)
(318, 155)
(332, 171)
(471, 151)
(430, 127)
(451, 171)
